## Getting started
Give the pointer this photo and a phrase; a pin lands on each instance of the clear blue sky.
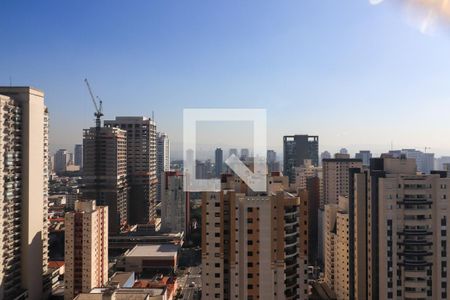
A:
(360, 76)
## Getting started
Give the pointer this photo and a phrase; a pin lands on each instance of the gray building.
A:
(162, 159)
(365, 156)
(78, 155)
(297, 148)
(218, 166)
(141, 166)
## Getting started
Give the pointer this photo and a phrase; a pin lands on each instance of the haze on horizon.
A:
(358, 75)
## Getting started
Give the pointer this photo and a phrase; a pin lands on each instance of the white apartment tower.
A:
(162, 159)
(141, 166)
(24, 193)
(86, 248)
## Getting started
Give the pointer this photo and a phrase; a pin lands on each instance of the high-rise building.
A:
(78, 155)
(218, 162)
(86, 248)
(324, 155)
(336, 176)
(24, 188)
(61, 160)
(343, 151)
(245, 154)
(365, 156)
(407, 232)
(175, 216)
(105, 172)
(272, 164)
(296, 149)
(254, 246)
(162, 159)
(141, 166)
(424, 161)
(233, 151)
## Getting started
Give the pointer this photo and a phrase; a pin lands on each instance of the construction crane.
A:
(98, 108)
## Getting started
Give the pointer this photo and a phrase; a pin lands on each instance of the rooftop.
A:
(162, 250)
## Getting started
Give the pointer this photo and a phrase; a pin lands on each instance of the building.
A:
(296, 149)
(407, 233)
(424, 161)
(245, 154)
(253, 246)
(141, 166)
(24, 188)
(336, 176)
(86, 248)
(105, 172)
(162, 159)
(78, 155)
(343, 151)
(150, 258)
(364, 156)
(233, 151)
(218, 162)
(272, 164)
(175, 208)
(61, 160)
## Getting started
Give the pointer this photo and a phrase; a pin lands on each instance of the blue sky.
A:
(359, 76)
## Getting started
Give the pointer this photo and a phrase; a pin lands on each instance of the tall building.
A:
(253, 246)
(272, 164)
(296, 149)
(233, 151)
(162, 159)
(424, 161)
(336, 177)
(141, 166)
(218, 162)
(245, 154)
(61, 160)
(78, 155)
(86, 248)
(24, 188)
(364, 156)
(324, 155)
(105, 172)
(175, 210)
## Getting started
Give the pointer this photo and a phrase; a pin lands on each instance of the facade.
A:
(218, 162)
(78, 155)
(141, 166)
(253, 246)
(61, 160)
(105, 172)
(296, 149)
(336, 177)
(272, 164)
(175, 209)
(24, 189)
(365, 156)
(86, 248)
(162, 159)
(424, 161)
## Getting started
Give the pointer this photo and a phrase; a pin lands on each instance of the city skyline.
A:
(306, 71)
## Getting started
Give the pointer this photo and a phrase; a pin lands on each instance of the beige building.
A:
(105, 172)
(86, 248)
(253, 246)
(24, 189)
(141, 166)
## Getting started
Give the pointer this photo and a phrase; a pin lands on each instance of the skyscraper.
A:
(296, 149)
(141, 166)
(162, 159)
(218, 162)
(24, 189)
(78, 155)
(175, 208)
(253, 246)
(86, 248)
(105, 172)
(365, 156)
(61, 160)
(245, 154)
(272, 164)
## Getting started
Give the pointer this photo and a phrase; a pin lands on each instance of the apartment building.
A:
(141, 166)
(86, 248)
(24, 167)
(162, 159)
(254, 246)
(296, 149)
(105, 172)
